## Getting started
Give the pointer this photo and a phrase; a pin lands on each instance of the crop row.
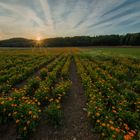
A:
(129, 66)
(21, 71)
(113, 109)
(41, 94)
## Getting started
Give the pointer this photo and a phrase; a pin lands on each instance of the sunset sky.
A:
(53, 18)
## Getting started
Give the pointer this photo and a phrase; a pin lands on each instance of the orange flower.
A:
(30, 112)
(117, 130)
(97, 114)
(34, 116)
(112, 128)
(111, 122)
(114, 111)
(103, 124)
(108, 125)
(58, 107)
(57, 100)
(127, 137)
(133, 131)
(113, 136)
(98, 121)
(17, 121)
(126, 127)
(131, 134)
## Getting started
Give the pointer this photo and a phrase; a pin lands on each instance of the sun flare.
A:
(38, 38)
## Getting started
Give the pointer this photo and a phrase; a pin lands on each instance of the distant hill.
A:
(17, 42)
(131, 39)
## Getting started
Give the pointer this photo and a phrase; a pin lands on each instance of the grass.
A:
(123, 52)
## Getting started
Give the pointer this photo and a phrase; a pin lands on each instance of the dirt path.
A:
(75, 122)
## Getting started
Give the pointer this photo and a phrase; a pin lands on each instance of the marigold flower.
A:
(111, 122)
(103, 124)
(58, 107)
(17, 121)
(97, 114)
(131, 134)
(112, 128)
(57, 101)
(113, 136)
(133, 131)
(114, 111)
(117, 130)
(127, 137)
(108, 125)
(98, 121)
(30, 112)
(34, 116)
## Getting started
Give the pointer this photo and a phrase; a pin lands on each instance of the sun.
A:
(38, 38)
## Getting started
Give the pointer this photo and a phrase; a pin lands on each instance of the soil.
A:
(8, 132)
(75, 125)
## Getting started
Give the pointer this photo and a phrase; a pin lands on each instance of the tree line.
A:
(131, 39)
(102, 40)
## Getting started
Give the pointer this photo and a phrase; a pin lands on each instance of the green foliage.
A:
(113, 102)
(43, 73)
(32, 85)
(54, 114)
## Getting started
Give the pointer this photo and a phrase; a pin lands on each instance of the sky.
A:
(53, 18)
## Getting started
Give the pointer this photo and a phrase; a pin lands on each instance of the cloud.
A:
(67, 17)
